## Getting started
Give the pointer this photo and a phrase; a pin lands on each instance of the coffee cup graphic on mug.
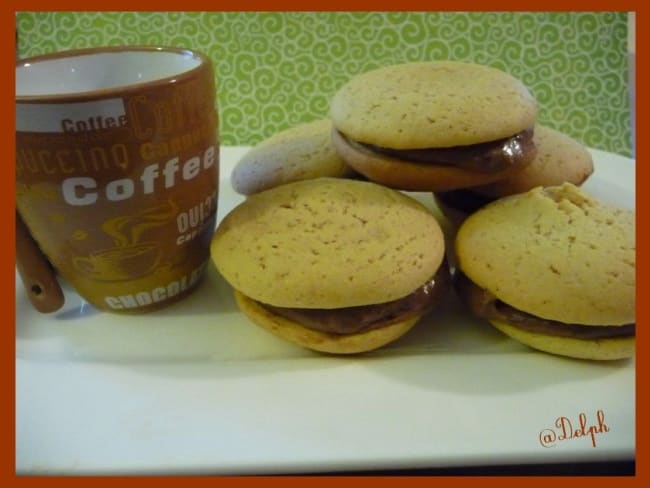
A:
(117, 170)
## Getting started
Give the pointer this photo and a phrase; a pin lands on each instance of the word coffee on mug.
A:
(117, 170)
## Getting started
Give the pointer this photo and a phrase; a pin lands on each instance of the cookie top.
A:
(556, 253)
(559, 159)
(432, 105)
(301, 152)
(328, 243)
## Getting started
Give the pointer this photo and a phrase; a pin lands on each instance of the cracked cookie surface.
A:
(556, 253)
(328, 243)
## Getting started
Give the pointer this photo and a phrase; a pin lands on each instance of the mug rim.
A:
(204, 60)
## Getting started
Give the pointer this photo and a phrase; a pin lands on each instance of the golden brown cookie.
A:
(435, 125)
(334, 255)
(555, 264)
(302, 152)
(597, 349)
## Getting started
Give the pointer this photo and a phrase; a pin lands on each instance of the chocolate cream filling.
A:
(464, 200)
(488, 157)
(485, 305)
(354, 320)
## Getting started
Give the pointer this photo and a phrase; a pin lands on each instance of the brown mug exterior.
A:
(124, 207)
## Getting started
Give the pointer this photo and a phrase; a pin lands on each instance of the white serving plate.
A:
(197, 388)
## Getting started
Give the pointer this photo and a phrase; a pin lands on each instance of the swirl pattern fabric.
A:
(277, 69)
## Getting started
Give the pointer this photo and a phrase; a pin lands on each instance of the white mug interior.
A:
(100, 70)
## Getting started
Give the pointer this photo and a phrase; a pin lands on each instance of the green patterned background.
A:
(276, 69)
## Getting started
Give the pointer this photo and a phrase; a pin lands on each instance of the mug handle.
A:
(36, 272)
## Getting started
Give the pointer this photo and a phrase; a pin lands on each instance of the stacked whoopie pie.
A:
(340, 265)
(334, 265)
(434, 126)
(554, 269)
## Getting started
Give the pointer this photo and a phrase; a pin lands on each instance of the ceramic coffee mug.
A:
(117, 171)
